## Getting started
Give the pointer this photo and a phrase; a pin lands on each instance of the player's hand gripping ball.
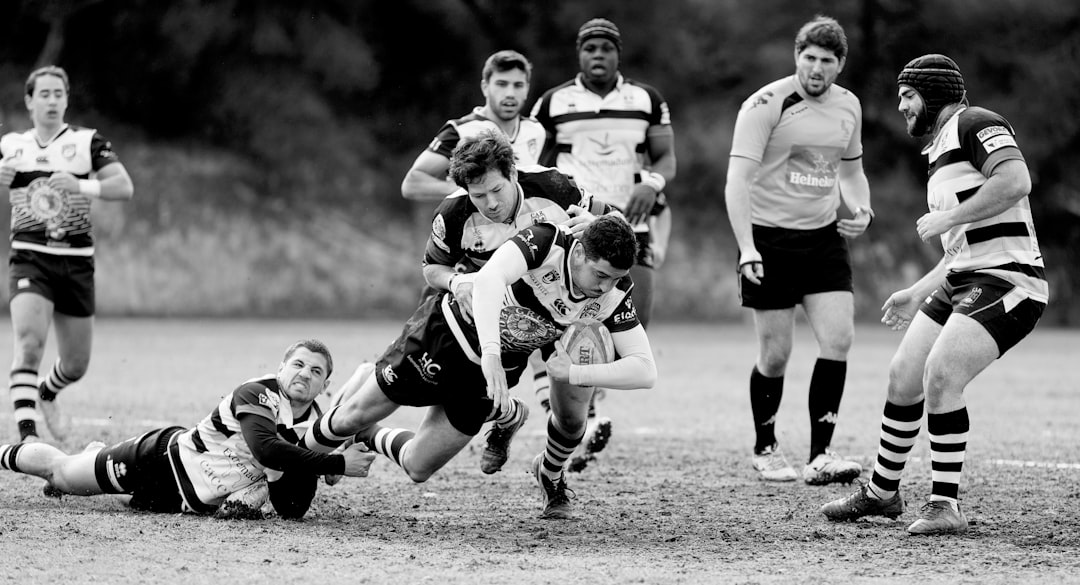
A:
(523, 330)
(588, 342)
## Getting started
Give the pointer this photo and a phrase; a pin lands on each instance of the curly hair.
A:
(475, 156)
(610, 238)
(824, 32)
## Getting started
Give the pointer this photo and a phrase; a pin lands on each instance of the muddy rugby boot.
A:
(771, 465)
(860, 504)
(939, 518)
(830, 467)
(497, 450)
(556, 500)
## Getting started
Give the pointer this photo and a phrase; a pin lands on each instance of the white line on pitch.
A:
(1020, 463)
(108, 422)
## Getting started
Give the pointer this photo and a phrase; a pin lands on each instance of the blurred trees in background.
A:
(304, 109)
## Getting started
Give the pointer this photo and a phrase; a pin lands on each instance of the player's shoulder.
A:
(975, 116)
(568, 85)
(263, 389)
(770, 96)
(454, 210)
(844, 94)
(18, 136)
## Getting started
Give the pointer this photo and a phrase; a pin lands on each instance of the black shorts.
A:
(140, 466)
(797, 263)
(425, 366)
(67, 281)
(988, 301)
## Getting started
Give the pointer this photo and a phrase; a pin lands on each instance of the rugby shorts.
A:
(1006, 314)
(425, 366)
(140, 466)
(797, 263)
(67, 281)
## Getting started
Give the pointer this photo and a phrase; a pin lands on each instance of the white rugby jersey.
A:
(212, 460)
(547, 289)
(961, 157)
(527, 143)
(462, 236)
(44, 219)
(799, 142)
(600, 140)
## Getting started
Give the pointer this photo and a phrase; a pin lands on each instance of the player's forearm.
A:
(420, 186)
(931, 280)
(635, 369)
(112, 184)
(737, 199)
(438, 275)
(1009, 183)
(855, 191)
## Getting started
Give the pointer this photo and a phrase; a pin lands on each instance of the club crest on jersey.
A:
(590, 311)
(478, 240)
(47, 205)
(538, 216)
(68, 151)
(972, 296)
(551, 277)
(269, 399)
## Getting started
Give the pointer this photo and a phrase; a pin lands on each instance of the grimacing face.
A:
(494, 195)
(303, 375)
(48, 104)
(817, 69)
(505, 93)
(593, 278)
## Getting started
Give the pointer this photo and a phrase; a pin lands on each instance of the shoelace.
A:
(931, 510)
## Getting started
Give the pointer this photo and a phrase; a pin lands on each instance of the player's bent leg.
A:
(69, 474)
(353, 384)
(436, 442)
(963, 350)
(31, 315)
(74, 340)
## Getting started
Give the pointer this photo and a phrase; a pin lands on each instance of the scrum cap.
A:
(937, 79)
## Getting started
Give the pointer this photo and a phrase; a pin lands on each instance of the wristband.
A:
(492, 348)
(654, 180)
(450, 283)
(90, 187)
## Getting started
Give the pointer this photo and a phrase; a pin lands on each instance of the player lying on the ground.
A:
(436, 362)
(250, 437)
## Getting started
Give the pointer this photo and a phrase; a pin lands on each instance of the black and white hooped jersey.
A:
(49, 220)
(548, 289)
(213, 460)
(462, 236)
(962, 156)
(527, 142)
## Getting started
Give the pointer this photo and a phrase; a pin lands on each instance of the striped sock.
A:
(948, 445)
(765, 395)
(392, 443)
(899, 429)
(511, 416)
(23, 389)
(56, 381)
(321, 438)
(8, 454)
(558, 450)
(826, 390)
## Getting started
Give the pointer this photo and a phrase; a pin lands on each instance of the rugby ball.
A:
(523, 330)
(588, 342)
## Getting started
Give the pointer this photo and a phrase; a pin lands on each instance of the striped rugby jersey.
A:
(213, 460)
(462, 236)
(799, 141)
(547, 289)
(600, 140)
(961, 157)
(44, 219)
(527, 143)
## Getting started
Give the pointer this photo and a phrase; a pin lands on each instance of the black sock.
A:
(765, 395)
(826, 390)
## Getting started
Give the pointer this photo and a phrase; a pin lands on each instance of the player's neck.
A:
(45, 133)
(508, 127)
(601, 88)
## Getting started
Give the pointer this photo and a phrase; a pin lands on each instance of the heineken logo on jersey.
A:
(813, 169)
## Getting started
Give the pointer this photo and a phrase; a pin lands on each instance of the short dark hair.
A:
(610, 237)
(505, 61)
(31, 80)
(824, 32)
(314, 346)
(475, 156)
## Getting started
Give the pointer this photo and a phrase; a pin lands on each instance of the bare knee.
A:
(419, 476)
(905, 381)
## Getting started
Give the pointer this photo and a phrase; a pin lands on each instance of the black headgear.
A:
(599, 27)
(938, 81)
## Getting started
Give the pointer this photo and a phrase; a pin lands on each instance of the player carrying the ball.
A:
(532, 288)
(565, 279)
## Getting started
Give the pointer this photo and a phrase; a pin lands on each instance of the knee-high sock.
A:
(765, 395)
(826, 390)
(321, 437)
(899, 429)
(948, 445)
(559, 447)
(56, 381)
(393, 443)
(23, 389)
(8, 456)
(510, 415)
